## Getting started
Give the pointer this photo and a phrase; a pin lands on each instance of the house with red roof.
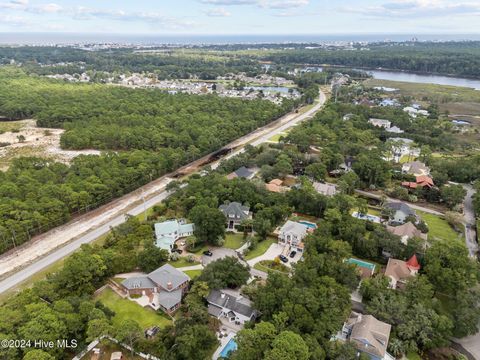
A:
(420, 181)
(399, 271)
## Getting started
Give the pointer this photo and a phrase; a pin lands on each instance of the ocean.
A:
(158, 39)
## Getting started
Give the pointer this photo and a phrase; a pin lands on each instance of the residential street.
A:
(57, 243)
(413, 206)
(469, 216)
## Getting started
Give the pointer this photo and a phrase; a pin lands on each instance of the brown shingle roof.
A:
(371, 335)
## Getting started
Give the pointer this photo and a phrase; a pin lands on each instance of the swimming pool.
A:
(308, 224)
(231, 346)
(361, 263)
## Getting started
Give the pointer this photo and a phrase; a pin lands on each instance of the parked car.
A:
(283, 258)
(293, 253)
(207, 253)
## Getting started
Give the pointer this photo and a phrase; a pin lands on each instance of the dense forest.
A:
(107, 117)
(166, 63)
(460, 59)
(156, 132)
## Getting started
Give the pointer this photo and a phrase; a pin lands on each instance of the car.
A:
(207, 253)
(293, 253)
(283, 258)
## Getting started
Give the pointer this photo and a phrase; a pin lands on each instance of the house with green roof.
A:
(167, 232)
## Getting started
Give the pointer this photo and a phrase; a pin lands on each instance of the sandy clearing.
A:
(36, 141)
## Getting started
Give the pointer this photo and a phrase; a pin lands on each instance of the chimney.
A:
(169, 286)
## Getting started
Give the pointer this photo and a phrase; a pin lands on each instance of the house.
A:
(398, 271)
(230, 306)
(400, 212)
(394, 130)
(168, 232)
(389, 102)
(325, 188)
(420, 181)
(276, 186)
(117, 355)
(235, 213)
(380, 123)
(368, 335)
(406, 231)
(292, 233)
(415, 168)
(161, 289)
(242, 172)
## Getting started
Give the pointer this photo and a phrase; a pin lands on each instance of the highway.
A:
(46, 249)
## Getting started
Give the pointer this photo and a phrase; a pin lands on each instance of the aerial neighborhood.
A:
(245, 201)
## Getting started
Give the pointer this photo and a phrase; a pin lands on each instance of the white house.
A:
(292, 233)
(380, 123)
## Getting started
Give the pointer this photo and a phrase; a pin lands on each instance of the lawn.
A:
(438, 227)
(182, 262)
(270, 265)
(193, 273)
(233, 241)
(126, 309)
(413, 356)
(261, 248)
(276, 138)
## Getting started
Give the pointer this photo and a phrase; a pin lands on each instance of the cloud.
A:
(229, 2)
(219, 12)
(14, 5)
(418, 8)
(268, 4)
(13, 20)
(84, 13)
(45, 8)
(283, 4)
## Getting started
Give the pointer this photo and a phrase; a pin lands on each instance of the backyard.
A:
(438, 227)
(126, 309)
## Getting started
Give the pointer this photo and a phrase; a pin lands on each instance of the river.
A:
(424, 79)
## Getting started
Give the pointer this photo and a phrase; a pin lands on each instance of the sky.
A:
(228, 17)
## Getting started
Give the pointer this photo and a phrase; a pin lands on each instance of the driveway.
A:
(218, 253)
(272, 252)
(471, 344)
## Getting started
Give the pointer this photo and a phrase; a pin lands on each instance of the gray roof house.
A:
(401, 212)
(416, 168)
(325, 188)
(234, 213)
(242, 172)
(231, 306)
(161, 289)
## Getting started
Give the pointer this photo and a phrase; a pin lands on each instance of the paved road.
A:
(71, 241)
(413, 206)
(469, 217)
